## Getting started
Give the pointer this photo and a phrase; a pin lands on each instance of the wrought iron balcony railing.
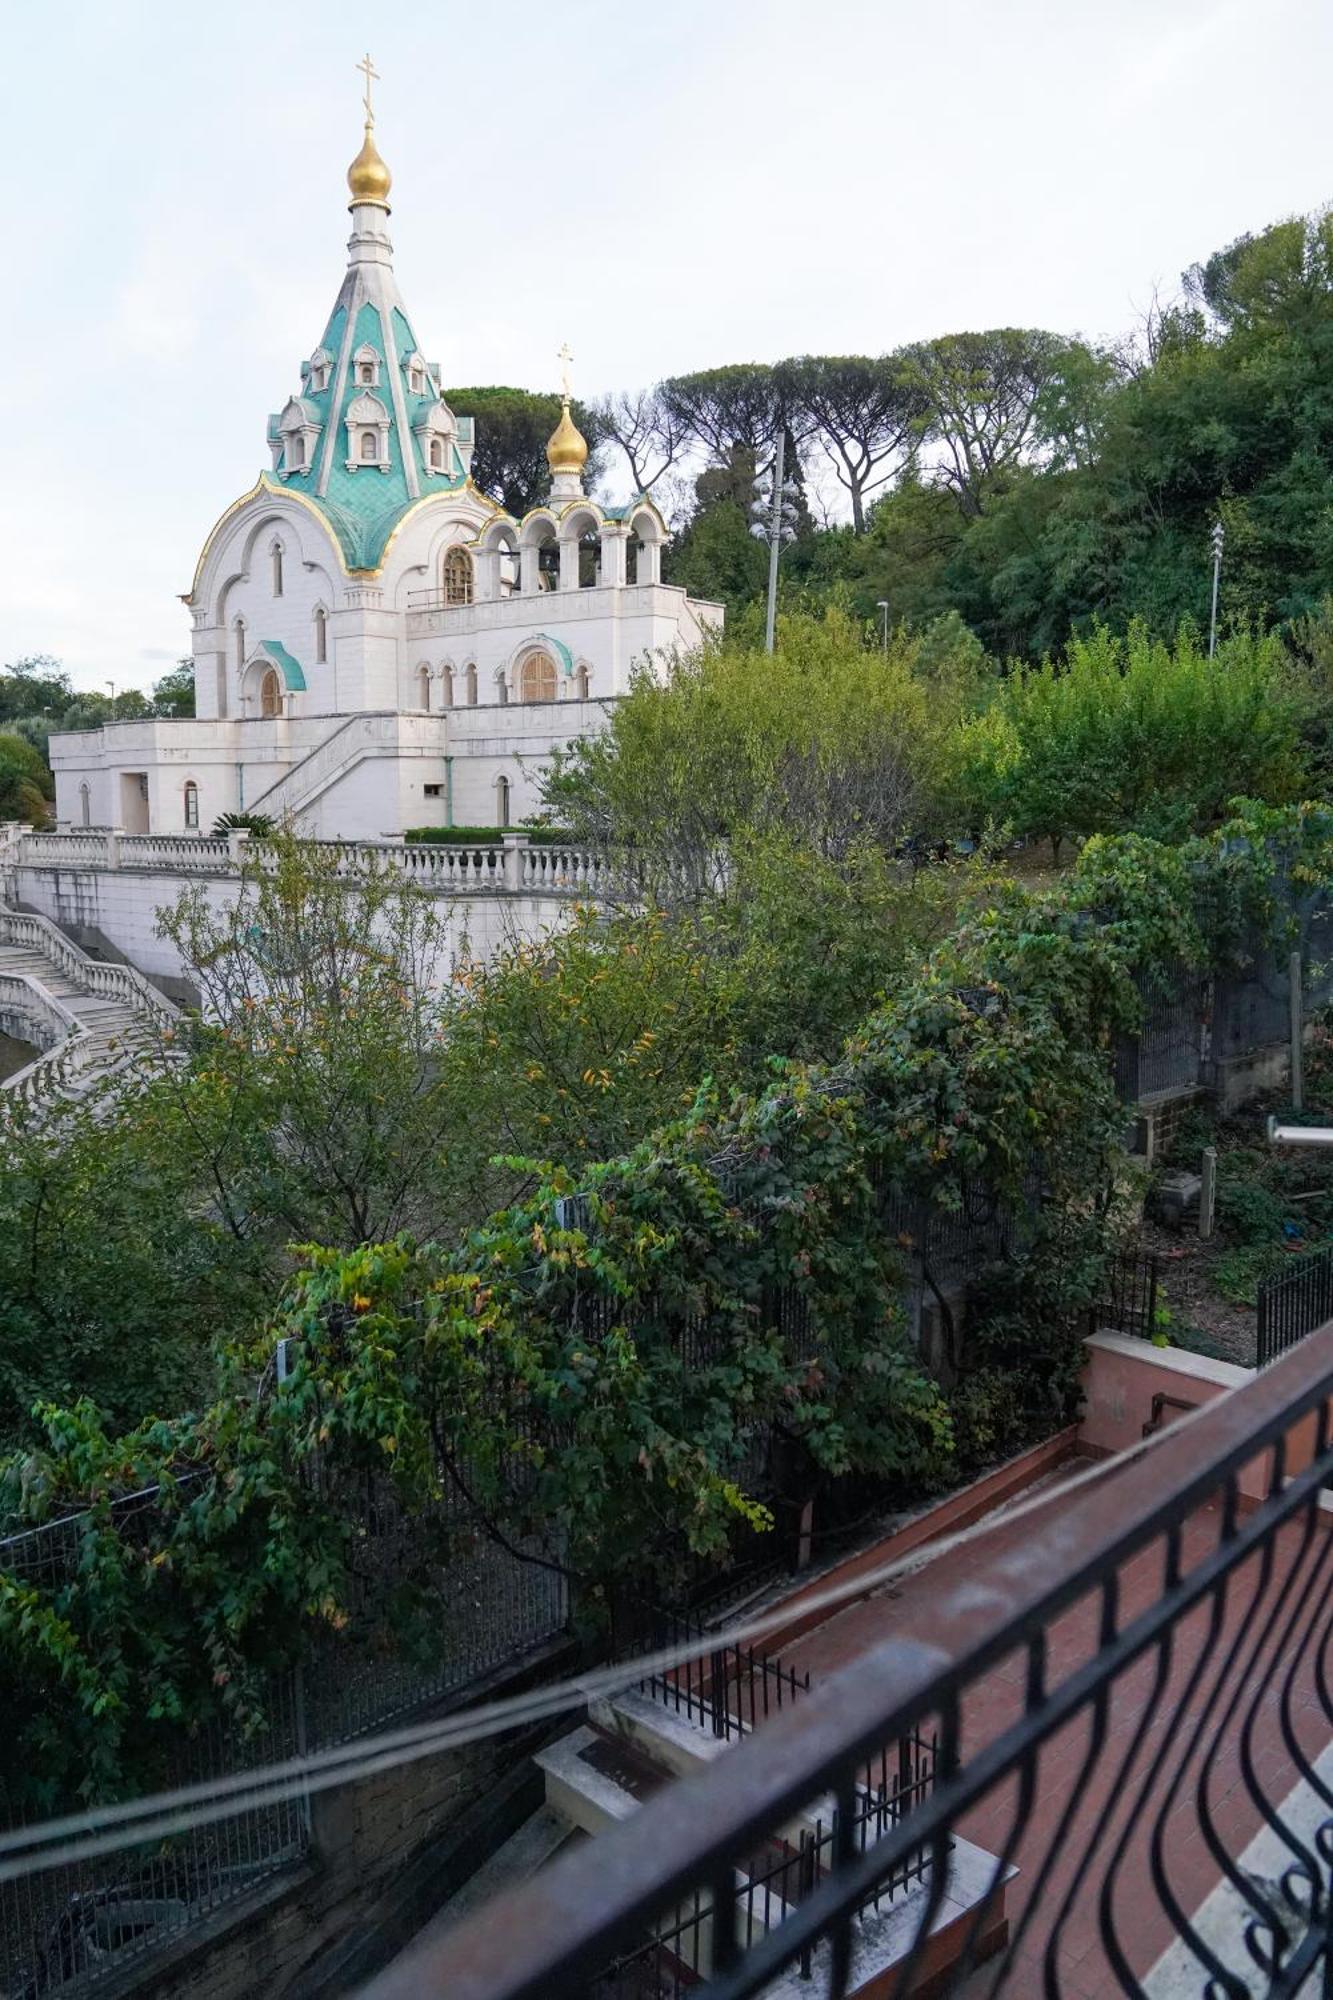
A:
(1130, 1704)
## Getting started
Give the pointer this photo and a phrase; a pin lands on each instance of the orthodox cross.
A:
(564, 358)
(372, 75)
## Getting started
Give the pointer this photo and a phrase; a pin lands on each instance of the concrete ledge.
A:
(587, 1797)
(882, 1939)
(957, 1510)
(672, 1741)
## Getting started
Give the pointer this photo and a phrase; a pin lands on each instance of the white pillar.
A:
(569, 564)
(614, 543)
(530, 570)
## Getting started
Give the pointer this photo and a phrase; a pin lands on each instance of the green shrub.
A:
(468, 836)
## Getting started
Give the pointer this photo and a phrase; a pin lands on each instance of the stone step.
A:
(536, 1842)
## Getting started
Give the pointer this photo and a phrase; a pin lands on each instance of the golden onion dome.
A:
(368, 177)
(567, 448)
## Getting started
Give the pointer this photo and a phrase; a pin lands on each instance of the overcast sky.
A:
(664, 186)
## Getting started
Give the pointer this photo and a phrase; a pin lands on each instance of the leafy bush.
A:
(466, 836)
(258, 824)
(1134, 734)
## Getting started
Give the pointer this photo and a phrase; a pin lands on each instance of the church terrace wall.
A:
(113, 912)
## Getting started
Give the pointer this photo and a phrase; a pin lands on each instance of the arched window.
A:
(590, 559)
(277, 568)
(536, 678)
(191, 803)
(295, 453)
(446, 687)
(85, 806)
(270, 695)
(581, 681)
(502, 801)
(471, 678)
(240, 642)
(321, 635)
(437, 454)
(423, 688)
(457, 576)
(370, 448)
(501, 687)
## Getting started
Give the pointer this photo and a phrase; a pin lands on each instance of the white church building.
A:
(378, 645)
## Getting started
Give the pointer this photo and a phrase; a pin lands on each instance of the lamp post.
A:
(1219, 536)
(773, 520)
(112, 686)
(882, 604)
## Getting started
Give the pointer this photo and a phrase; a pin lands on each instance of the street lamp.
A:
(1219, 536)
(112, 686)
(882, 604)
(773, 520)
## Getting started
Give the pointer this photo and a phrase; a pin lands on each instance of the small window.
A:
(582, 682)
(423, 688)
(502, 801)
(437, 454)
(277, 569)
(416, 381)
(472, 684)
(296, 452)
(366, 374)
(240, 642)
(192, 805)
(433, 791)
(446, 687)
(370, 448)
(85, 806)
(457, 576)
(321, 636)
(319, 377)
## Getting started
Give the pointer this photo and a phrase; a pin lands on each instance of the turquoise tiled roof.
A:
(364, 503)
(293, 678)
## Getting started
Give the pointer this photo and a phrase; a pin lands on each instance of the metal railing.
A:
(66, 1929)
(728, 1690)
(1292, 1303)
(1132, 1709)
(1128, 1302)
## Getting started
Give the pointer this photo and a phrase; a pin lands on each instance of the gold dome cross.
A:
(372, 75)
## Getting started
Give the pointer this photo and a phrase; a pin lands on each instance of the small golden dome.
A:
(368, 177)
(567, 448)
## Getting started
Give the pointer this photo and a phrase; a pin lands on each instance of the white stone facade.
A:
(377, 645)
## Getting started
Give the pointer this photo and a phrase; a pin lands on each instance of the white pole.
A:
(1297, 1035)
(775, 538)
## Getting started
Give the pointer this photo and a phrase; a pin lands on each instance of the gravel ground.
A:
(1202, 1319)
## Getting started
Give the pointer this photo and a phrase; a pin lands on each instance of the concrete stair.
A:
(105, 1034)
(599, 1774)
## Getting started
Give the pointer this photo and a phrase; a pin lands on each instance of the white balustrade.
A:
(176, 853)
(514, 865)
(109, 982)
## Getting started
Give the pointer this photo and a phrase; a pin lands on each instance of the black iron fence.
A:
(727, 1689)
(774, 1882)
(1293, 1302)
(1132, 1710)
(1128, 1302)
(66, 1930)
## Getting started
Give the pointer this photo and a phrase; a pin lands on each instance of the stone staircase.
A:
(91, 1021)
(644, 1738)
